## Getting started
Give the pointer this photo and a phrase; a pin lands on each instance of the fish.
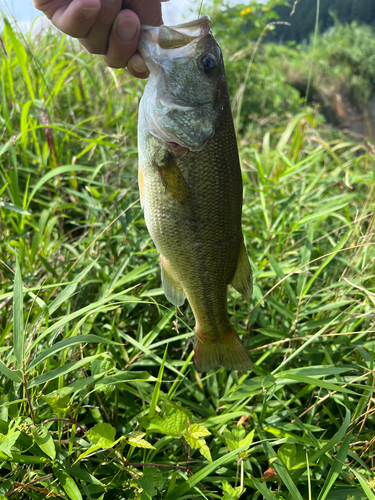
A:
(190, 184)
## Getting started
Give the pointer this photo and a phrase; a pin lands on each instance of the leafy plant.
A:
(99, 396)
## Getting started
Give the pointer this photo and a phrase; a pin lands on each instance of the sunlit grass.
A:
(94, 358)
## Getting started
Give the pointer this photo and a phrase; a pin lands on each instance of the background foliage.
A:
(303, 20)
(99, 397)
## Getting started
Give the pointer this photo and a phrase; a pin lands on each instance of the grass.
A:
(99, 396)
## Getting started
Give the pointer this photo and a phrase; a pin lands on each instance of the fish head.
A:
(187, 90)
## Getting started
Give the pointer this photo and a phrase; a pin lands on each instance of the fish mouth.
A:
(154, 40)
(192, 28)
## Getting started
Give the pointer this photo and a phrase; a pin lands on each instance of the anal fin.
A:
(172, 290)
(243, 277)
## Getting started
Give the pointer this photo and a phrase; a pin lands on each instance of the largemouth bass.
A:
(191, 185)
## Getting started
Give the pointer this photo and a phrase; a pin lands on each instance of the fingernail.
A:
(89, 12)
(126, 29)
(138, 65)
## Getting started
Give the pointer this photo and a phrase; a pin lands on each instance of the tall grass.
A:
(99, 396)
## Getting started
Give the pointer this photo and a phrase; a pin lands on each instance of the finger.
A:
(96, 41)
(137, 66)
(148, 11)
(73, 18)
(123, 39)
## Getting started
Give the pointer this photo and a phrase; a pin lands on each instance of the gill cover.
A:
(185, 93)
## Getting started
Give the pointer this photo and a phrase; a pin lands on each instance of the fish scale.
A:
(191, 184)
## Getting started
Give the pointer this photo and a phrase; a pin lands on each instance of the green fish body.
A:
(191, 184)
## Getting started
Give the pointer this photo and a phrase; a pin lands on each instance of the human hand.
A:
(107, 27)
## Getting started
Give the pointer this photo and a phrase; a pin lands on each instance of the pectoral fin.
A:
(171, 177)
(141, 185)
(243, 277)
(172, 290)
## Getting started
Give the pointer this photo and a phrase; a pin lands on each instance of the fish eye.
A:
(208, 63)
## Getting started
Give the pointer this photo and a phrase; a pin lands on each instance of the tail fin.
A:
(211, 352)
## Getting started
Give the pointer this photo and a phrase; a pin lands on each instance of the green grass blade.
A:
(298, 351)
(199, 476)
(280, 468)
(263, 490)
(69, 342)
(18, 333)
(68, 484)
(14, 375)
(156, 392)
(339, 436)
(305, 258)
(336, 468)
(317, 383)
(21, 57)
(54, 173)
(280, 274)
(147, 351)
(62, 370)
(326, 261)
(365, 486)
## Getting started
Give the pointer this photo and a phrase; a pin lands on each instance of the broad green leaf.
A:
(18, 333)
(172, 425)
(194, 442)
(151, 481)
(198, 431)
(44, 440)
(233, 492)
(58, 403)
(232, 442)
(248, 439)
(102, 434)
(68, 484)
(8, 440)
(205, 451)
(293, 456)
(136, 440)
